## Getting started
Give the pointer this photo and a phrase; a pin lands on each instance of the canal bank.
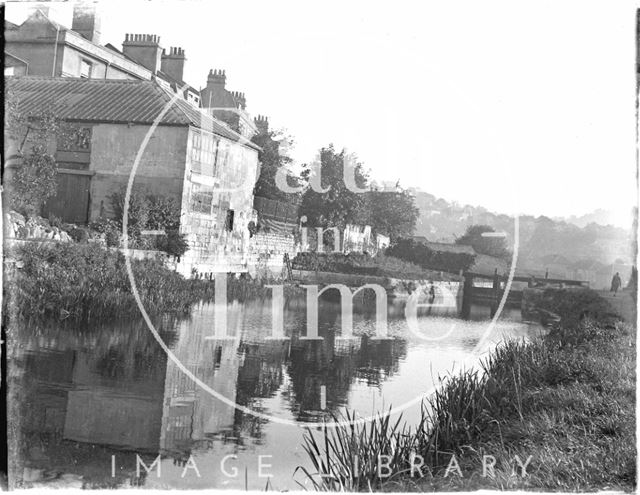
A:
(554, 414)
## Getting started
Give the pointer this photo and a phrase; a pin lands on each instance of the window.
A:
(201, 198)
(203, 148)
(85, 69)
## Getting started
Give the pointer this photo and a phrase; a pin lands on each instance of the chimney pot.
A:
(173, 64)
(144, 48)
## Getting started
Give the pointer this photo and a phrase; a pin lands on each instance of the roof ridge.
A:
(84, 80)
(165, 93)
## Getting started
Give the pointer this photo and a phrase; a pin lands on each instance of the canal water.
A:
(84, 402)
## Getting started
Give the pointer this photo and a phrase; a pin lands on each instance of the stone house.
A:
(209, 168)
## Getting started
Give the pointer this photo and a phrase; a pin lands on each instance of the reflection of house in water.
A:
(191, 413)
(117, 395)
(90, 396)
(241, 371)
(52, 374)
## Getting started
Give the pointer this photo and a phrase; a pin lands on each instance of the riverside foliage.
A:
(567, 400)
(84, 282)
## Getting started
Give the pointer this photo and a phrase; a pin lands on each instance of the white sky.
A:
(522, 107)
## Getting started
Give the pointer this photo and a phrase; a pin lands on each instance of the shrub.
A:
(55, 221)
(418, 253)
(33, 182)
(152, 212)
(78, 234)
(164, 213)
(173, 243)
(112, 232)
(138, 211)
(81, 282)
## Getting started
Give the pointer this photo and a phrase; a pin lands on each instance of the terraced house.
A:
(200, 153)
(209, 168)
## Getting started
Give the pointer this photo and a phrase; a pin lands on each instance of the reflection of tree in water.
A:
(377, 360)
(335, 364)
(260, 376)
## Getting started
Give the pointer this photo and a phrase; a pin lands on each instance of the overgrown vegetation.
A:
(379, 265)
(416, 252)
(84, 282)
(147, 211)
(32, 177)
(565, 403)
(483, 239)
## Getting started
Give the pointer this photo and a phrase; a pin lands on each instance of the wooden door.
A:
(71, 202)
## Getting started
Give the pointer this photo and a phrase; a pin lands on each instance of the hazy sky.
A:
(522, 107)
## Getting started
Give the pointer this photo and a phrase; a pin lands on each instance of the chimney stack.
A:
(172, 63)
(262, 123)
(216, 78)
(86, 22)
(144, 49)
(239, 98)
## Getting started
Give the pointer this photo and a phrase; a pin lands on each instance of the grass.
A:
(380, 265)
(567, 400)
(85, 282)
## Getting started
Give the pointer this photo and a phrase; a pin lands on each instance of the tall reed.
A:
(465, 411)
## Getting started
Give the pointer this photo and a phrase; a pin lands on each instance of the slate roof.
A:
(110, 100)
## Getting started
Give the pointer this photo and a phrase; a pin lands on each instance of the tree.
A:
(483, 244)
(31, 182)
(339, 205)
(392, 213)
(272, 158)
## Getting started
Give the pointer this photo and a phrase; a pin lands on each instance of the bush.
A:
(138, 211)
(164, 213)
(574, 305)
(173, 243)
(81, 282)
(416, 252)
(149, 212)
(33, 183)
(112, 232)
(358, 264)
(78, 234)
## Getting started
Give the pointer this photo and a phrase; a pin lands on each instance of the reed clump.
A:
(84, 282)
(567, 400)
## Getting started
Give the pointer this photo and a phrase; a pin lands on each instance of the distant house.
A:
(206, 166)
(357, 239)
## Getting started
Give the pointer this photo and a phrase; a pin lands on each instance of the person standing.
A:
(616, 282)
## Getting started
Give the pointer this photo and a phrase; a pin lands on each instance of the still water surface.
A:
(86, 395)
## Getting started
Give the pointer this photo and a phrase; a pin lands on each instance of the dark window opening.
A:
(229, 221)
